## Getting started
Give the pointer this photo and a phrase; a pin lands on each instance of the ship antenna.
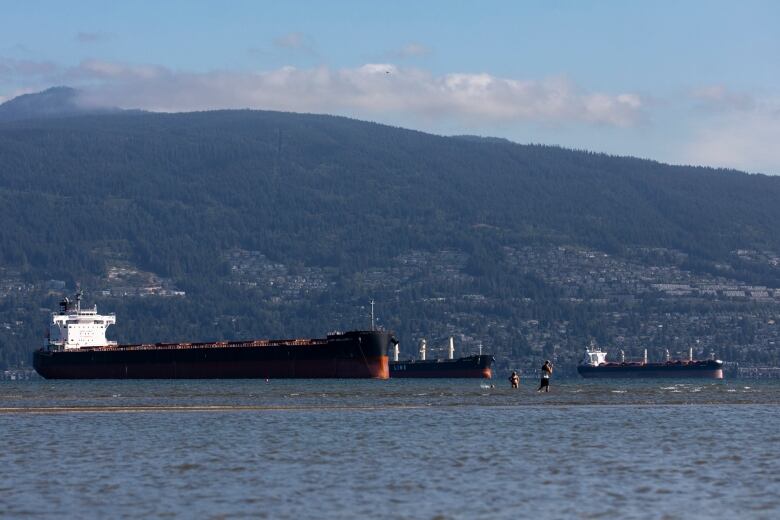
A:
(372, 315)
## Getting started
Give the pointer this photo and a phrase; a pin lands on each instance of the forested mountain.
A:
(172, 194)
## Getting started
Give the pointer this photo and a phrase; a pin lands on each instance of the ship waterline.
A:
(695, 369)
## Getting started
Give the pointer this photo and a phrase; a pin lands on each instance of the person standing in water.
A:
(514, 379)
(547, 370)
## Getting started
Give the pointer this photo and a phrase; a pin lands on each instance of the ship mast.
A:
(372, 315)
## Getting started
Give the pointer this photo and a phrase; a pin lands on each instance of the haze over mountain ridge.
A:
(53, 102)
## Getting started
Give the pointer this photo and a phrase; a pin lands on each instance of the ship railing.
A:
(211, 344)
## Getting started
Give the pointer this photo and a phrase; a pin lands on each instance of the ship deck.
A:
(209, 344)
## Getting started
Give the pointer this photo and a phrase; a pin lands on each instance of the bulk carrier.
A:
(77, 348)
(478, 366)
(595, 365)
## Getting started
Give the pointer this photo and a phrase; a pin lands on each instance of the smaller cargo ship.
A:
(595, 365)
(477, 366)
(77, 348)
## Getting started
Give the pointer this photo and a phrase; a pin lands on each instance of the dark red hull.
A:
(350, 355)
(467, 367)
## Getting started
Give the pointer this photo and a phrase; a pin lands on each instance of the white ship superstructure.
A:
(73, 327)
(594, 356)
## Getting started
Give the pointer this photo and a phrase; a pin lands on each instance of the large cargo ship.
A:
(595, 365)
(77, 348)
(477, 366)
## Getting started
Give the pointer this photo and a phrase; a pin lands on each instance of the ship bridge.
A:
(74, 327)
(594, 356)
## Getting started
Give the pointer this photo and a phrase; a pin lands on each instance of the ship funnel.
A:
(645, 356)
(396, 351)
(422, 350)
(452, 348)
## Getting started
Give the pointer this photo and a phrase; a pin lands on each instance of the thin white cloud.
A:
(290, 44)
(295, 42)
(408, 51)
(110, 70)
(413, 49)
(741, 140)
(367, 90)
(17, 92)
(26, 69)
(720, 98)
(92, 37)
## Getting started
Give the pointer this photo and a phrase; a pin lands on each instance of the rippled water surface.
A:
(389, 449)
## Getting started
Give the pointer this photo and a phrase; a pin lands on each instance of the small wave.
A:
(186, 467)
(619, 391)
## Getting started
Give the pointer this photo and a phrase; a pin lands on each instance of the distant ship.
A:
(595, 365)
(77, 348)
(477, 366)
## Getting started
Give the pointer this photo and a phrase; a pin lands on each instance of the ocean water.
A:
(389, 449)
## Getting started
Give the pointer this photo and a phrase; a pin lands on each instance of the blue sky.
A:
(682, 82)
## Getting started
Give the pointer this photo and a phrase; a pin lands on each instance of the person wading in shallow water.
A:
(514, 379)
(547, 369)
